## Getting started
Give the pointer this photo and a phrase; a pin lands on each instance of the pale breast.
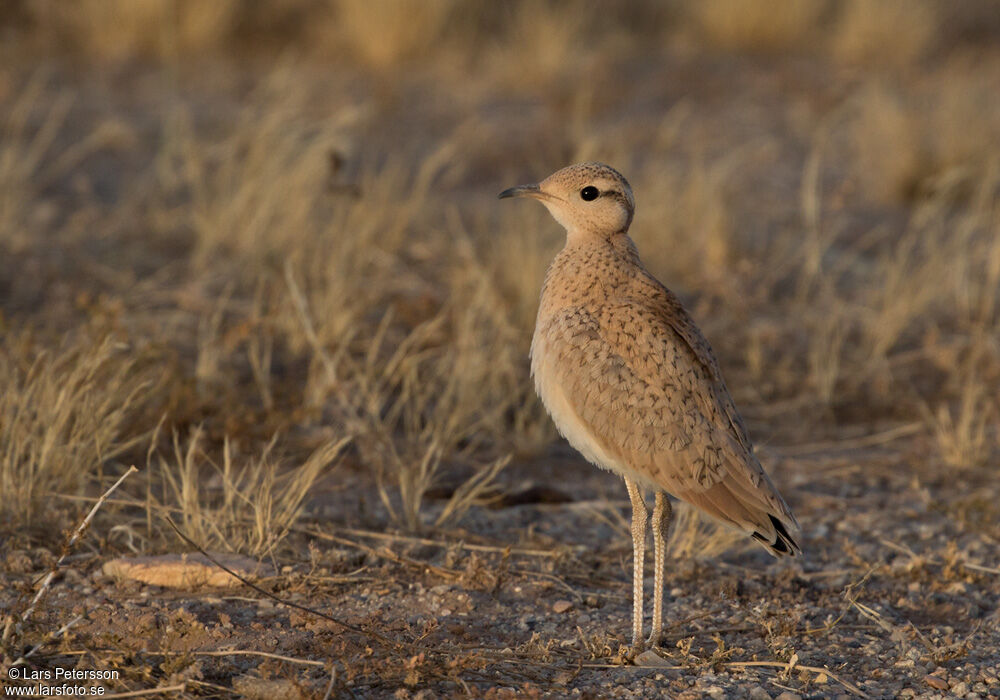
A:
(549, 384)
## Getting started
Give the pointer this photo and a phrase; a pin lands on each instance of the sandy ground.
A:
(896, 596)
(898, 591)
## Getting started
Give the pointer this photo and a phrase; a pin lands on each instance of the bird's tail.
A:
(757, 510)
(783, 544)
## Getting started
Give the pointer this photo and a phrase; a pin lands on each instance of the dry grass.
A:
(694, 198)
(757, 26)
(120, 29)
(542, 46)
(384, 32)
(413, 375)
(306, 276)
(63, 414)
(966, 436)
(23, 149)
(247, 504)
(965, 428)
(891, 152)
(696, 536)
(894, 32)
(452, 389)
(235, 209)
(908, 144)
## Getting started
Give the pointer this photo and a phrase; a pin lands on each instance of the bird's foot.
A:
(628, 652)
(654, 640)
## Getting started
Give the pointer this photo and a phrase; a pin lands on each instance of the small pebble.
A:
(561, 606)
(758, 693)
(935, 682)
(651, 658)
(788, 695)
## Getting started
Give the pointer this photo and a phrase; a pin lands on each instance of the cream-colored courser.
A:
(631, 382)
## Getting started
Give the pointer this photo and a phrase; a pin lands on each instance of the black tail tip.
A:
(784, 544)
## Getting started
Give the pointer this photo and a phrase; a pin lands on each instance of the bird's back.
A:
(633, 385)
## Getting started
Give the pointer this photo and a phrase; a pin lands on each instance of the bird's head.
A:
(589, 198)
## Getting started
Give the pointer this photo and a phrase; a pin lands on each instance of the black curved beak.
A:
(520, 191)
(533, 191)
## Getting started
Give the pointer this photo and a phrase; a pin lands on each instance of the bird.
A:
(632, 384)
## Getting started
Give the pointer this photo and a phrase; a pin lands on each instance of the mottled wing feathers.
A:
(641, 378)
(669, 311)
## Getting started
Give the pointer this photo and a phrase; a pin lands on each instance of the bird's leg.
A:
(662, 515)
(638, 557)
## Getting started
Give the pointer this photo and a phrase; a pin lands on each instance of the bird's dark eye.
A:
(589, 193)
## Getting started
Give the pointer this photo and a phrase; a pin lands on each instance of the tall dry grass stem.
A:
(245, 504)
(63, 414)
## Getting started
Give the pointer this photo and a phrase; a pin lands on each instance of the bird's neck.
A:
(618, 244)
(587, 266)
(583, 234)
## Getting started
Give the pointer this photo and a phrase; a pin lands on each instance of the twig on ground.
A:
(221, 690)
(929, 559)
(81, 528)
(247, 652)
(386, 553)
(981, 569)
(880, 438)
(633, 667)
(546, 553)
(394, 646)
(228, 652)
(776, 684)
(527, 573)
(49, 638)
(814, 669)
(692, 618)
(333, 681)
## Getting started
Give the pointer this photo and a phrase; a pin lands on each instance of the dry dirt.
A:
(801, 203)
(897, 596)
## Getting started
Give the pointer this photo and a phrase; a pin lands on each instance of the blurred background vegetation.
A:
(254, 246)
